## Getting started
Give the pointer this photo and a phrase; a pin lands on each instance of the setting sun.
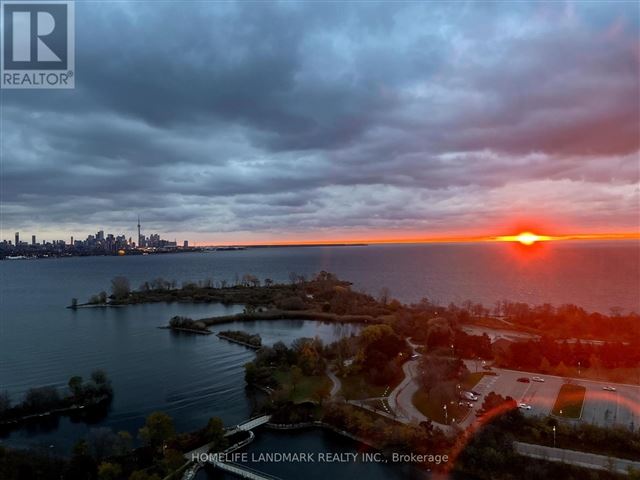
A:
(525, 238)
(528, 238)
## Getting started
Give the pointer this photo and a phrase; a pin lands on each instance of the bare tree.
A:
(5, 402)
(120, 287)
(383, 296)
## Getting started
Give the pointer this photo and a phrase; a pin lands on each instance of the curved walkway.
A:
(337, 384)
(243, 471)
(401, 399)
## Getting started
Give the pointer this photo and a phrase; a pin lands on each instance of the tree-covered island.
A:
(44, 401)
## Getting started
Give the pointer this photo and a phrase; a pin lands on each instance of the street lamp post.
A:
(446, 416)
(554, 436)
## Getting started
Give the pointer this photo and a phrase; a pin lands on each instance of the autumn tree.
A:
(321, 393)
(143, 475)
(214, 432)
(296, 376)
(158, 428)
(545, 366)
(109, 471)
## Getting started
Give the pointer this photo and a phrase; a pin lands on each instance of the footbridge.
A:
(248, 425)
(241, 471)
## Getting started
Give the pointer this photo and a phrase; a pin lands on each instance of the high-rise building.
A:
(17, 239)
(186, 244)
(33, 239)
(139, 236)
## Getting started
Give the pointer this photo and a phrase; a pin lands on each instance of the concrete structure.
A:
(580, 459)
(242, 471)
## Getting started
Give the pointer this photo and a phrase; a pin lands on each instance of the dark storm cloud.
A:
(276, 117)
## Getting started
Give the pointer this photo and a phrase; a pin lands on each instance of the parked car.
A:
(524, 406)
(468, 396)
(477, 394)
(609, 389)
(524, 380)
(537, 379)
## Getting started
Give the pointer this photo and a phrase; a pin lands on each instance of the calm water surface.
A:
(310, 441)
(196, 377)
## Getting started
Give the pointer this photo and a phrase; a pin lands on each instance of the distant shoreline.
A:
(26, 255)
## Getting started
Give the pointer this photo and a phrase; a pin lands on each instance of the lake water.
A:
(196, 377)
(313, 441)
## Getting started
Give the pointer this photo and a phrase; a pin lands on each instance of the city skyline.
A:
(413, 122)
(119, 240)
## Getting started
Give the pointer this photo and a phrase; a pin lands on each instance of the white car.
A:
(609, 389)
(524, 406)
(537, 379)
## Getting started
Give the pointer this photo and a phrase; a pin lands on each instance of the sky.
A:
(282, 122)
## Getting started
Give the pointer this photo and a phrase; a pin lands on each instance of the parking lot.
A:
(600, 407)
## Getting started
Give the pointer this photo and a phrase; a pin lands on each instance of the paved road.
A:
(401, 398)
(588, 460)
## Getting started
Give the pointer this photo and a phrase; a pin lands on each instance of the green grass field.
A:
(435, 410)
(356, 387)
(304, 390)
(569, 401)
(472, 380)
